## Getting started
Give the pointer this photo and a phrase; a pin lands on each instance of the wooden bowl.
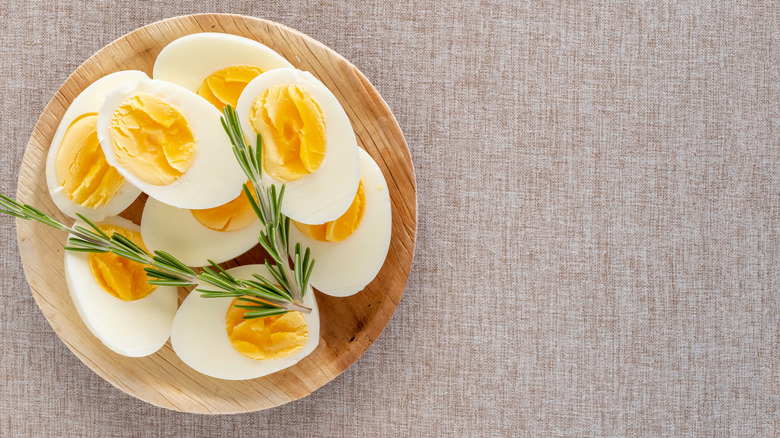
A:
(349, 325)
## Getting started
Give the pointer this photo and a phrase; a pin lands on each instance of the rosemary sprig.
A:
(163, 269)
(260, 295)
(267, 204)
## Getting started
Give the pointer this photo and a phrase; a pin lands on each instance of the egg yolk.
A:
(122, 278)
(223, 87)
(341, 228)
(233, 216)
(270, 337)
(294, 120)
(81, 168)
(152, 139)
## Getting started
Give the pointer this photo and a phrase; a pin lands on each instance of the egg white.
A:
(176, 231)
(213, 179)
(130, 328)
(89, 101)
(199, 336)
(326, 193)
(189, 60)
(345, 268)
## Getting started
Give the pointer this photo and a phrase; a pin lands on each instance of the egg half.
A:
(79, 178)
(308, 143)
(350, 251)
(197, 236)
(169, 142)
(199, 335)
(216, 66)
(111, 295)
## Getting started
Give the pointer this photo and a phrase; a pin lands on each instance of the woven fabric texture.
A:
(598, 245)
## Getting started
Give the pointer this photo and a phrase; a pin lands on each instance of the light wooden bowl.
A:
(349, 325)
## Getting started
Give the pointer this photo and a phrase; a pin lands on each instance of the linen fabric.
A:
(597, 249)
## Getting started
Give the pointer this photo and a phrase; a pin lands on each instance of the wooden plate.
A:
(349, 325)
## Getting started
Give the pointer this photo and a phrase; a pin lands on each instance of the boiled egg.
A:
(113, 298)
(169, 142)
(79, 178)
(216, 66)
(308, 143)
(211, 336)
(350, 251)
(197, 236)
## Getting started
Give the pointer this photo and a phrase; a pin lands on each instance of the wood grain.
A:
(349, 325)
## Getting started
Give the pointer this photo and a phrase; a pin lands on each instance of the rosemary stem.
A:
(295, 290)
(164, 269)
(82, 240)
(284, 264)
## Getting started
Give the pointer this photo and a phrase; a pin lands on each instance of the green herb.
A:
(163, 269)
(275, 235)
(259, 295)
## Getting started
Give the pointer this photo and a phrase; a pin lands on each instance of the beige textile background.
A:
(599, 198)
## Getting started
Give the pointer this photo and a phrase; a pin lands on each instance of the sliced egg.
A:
(170, 143)
(197, 236)
(308, 143)
(113, 298)
(350, 251)
(199, 335)
(79, 178)
(217, 66)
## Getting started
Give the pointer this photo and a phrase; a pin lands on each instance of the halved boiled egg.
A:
(308, 143)
(169, 142)
(113, 298)
(211, 336)
(350, 251)
(79, 178)
(216, 66)
(197, 236)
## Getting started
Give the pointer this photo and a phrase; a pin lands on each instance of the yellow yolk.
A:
(223, 87)
(152, 139)
(341, 228)
(270, 337)
(233, 216)
(122, 278)
(82, 170)
(294, 120)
